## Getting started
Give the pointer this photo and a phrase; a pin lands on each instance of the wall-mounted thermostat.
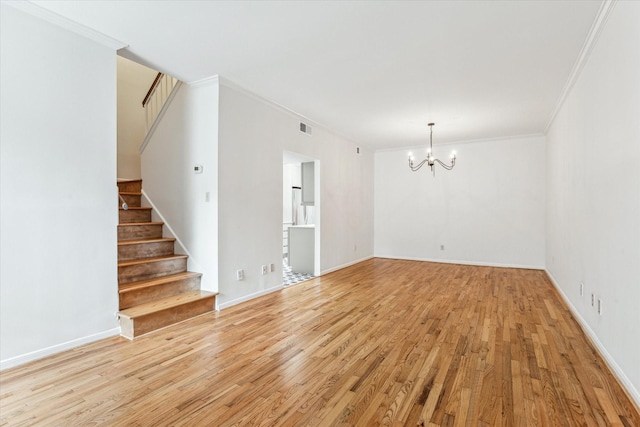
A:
(197, 169)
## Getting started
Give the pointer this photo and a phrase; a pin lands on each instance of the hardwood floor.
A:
(384, 342)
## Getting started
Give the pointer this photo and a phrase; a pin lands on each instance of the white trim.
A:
(223, 81)
(65, 23)
(231, 85)
(192, 263)
(248, 297)
(58, 348)
(349, 264)
(622, 378)
(183, 250)
(164, 108)
(587, 48)
(281, 287)
(461, 262)
(204, 82)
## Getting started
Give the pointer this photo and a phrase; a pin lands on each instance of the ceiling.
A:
(374, 72)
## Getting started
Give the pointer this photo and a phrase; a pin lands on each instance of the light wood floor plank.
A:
(384, 342)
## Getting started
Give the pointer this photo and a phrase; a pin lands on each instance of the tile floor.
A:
(291, 277)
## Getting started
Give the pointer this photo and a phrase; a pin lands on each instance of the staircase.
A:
(155, 289)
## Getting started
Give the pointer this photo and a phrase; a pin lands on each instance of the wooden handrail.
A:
(155, 83)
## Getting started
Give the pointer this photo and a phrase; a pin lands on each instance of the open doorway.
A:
(300, 225)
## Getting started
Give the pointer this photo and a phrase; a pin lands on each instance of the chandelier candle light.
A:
(430, 160)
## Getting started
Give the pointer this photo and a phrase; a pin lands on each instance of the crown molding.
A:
(215, 79)
(65, 23)
(520, 137)
(587, 47)
(266, 101)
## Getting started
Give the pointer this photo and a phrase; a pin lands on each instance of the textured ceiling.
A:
(372, 71)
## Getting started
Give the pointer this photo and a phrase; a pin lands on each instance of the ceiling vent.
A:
(305, 128)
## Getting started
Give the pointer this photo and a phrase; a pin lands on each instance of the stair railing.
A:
(156, 97)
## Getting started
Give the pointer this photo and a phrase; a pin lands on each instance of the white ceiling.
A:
(372, 71)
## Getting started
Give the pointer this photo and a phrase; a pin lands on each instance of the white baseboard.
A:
(349, 264)
(279, 288)
(476, 263)
(249, 297)
(39, 354)
(632, 392)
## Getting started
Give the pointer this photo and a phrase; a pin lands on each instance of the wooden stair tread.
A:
(152, 240)
(149, 260)
(141, 284)
(129, 180)
(136, 208)
(130, 193)
(165, 303)
(138, 224)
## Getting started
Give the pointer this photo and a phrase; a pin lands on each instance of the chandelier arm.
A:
(446, 166)
(418, 166)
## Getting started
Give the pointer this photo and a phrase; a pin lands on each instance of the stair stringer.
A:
(180, 247)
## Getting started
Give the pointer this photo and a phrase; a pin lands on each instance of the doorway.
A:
(300, 225)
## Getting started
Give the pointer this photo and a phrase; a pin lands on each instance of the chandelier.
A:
(430, 160)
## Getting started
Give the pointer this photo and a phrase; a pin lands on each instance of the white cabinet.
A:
(308, 184)
(301, 248)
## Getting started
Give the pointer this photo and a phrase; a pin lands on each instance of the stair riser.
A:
(131, 273)
(130, 186)
(144, 250)
(152, 293)
(131, 199)
(131, 328)
(137, 215)
(139, 232)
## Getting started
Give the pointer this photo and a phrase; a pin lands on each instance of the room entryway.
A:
(300, 234)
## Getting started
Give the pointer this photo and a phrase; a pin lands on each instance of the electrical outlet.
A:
(593, 299)
(599, 306)
(442, 247)
(264, 269)
(272, 267)
(581, 289)
(240, 274)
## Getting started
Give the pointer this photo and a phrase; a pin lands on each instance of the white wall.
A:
(488, 210)
(287, 198)
(292, 177)
(593, 193)
(58, 213)
(134, 81)
(252, 137)
(186, 136)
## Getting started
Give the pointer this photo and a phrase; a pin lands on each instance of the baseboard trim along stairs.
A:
(154, 287)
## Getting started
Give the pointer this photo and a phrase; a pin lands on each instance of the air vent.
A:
(305, 128)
